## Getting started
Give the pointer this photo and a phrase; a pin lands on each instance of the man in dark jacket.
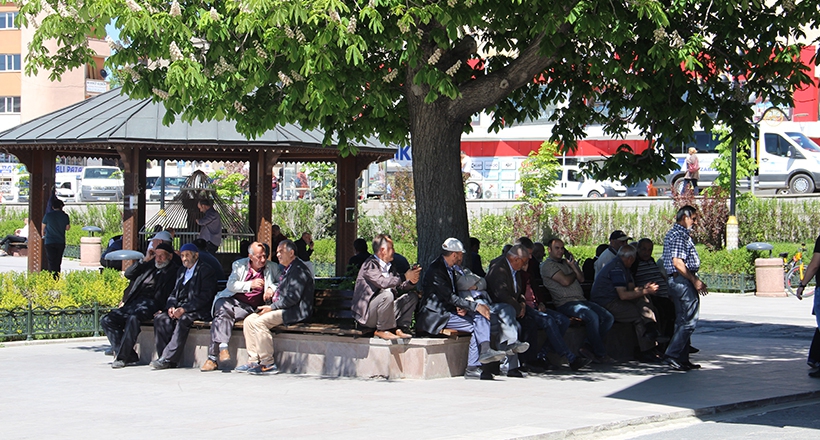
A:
(441, 307)
(151, 282)
(190, 300)
(292, 302)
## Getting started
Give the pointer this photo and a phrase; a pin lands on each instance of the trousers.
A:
(386, 313)
(638, 312)
(122, 326)
(687, 308)
(170, 335)
(554, 325)
(258, 338)
(597, 321)
(476, 324)
(226, 312)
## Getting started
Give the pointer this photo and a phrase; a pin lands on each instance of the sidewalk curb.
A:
(676, 415)
(10, 344)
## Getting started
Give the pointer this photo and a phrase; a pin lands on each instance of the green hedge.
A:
(73, 289)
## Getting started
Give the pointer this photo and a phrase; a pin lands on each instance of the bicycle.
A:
(794, 270)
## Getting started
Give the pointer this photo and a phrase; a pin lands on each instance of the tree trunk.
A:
(441, 209)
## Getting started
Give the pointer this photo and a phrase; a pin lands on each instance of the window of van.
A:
(99, 173)
(806, 143)
(574, 176)
(776, 145)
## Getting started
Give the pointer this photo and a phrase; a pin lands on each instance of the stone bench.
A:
(18, 249)
(333, 355)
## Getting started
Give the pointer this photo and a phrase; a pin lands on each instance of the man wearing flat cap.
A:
(190, 300)
(151, 282)
(617, 239)
(441, 307)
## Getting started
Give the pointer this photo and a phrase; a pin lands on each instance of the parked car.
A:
(640, 189)
(573, 183)
(172, 187)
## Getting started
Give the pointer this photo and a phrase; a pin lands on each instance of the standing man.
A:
(210, 225)
(252, 282)
(190, 300)
(55, 224)
(562, 277)
(441, 307)
(617, 239)
(152, 280)
(291, 302)
(681, 262)
(376, 300)
(615, 290)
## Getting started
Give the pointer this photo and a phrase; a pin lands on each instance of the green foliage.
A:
(11, 220)
(745, 165)
(493, 230)
(777, 220)
(297, 216)
(73, 289)
(107, 217)
(538, 174)
(737, 261)
(323, 176)
(231, 185)
(324, 250)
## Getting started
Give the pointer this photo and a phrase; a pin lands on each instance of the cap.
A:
(162, 235)
(166, 247)
(189, 247)
(619, 235)
(453, 245)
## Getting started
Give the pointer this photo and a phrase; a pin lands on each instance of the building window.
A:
(9, 62)
(9, 104)
(7, 20)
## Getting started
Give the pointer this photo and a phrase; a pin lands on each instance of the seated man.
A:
(376, 300)
(252, 282)
(292, 302)
(355, 262)
(152, 280)
(441, 307)
(537, 317)
(20, 236)
(190, 300)
(615, 290)
(617, 239)
(645, 270)
(562, 277)
(208, 258)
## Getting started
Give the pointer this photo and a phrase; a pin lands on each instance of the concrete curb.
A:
(676, 415)
(53, 341)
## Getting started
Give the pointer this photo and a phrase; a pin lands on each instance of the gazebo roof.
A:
(98, 125)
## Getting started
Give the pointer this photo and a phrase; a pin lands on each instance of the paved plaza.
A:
(753, 352)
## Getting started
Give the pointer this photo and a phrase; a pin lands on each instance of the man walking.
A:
(55, 224)
(681, 262)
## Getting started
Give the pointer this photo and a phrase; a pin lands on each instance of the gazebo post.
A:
(133, 209)
(347, 221)
(41, 168)
(260, 198)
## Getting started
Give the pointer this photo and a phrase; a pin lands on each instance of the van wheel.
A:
(594, 194)
(801, 184)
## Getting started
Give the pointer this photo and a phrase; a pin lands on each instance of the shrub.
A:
(493, 230)
(737, 261)
(298, 216)
(73, 289)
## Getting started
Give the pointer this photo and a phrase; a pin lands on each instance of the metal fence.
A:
(41, 323)
(728, 283)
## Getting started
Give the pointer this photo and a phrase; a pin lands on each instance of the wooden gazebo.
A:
(111, 125)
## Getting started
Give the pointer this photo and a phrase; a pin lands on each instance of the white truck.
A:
(788, 161)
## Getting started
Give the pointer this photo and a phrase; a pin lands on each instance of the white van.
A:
(100, 183)
(66, 185)
(787, 160)
(573, 183)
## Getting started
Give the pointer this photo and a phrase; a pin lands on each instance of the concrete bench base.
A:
(18, 249)
(334, 356)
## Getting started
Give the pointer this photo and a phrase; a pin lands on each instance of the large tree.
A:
(419, 70)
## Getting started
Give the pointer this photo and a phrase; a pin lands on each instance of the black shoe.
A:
(515, 372)
(492, 368)
(579, 362)
(486, 375)
(584, 352)
(532, 368)
(691, 365)
(674, 364)
(162, 364)
(815, 373)
(693, 350)
(649, 357)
